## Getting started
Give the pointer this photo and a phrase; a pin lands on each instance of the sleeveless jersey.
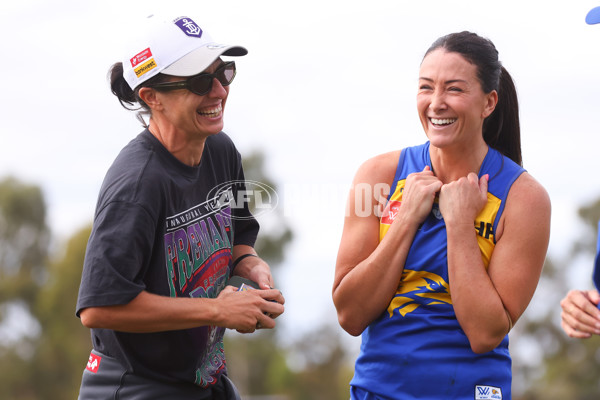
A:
(416, 349)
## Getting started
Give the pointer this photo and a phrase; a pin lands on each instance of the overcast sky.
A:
(325, 86)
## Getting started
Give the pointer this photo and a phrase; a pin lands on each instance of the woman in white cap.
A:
(435, 281)
(168, 233)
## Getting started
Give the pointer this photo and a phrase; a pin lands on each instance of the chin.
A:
(438, 140)
(213, 129)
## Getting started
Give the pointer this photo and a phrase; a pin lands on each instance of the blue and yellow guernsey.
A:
(416, 349)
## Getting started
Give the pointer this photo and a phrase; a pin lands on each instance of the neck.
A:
(185, 148)
(451, 164)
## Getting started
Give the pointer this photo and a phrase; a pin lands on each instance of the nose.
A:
(438, 101)
(217, 89)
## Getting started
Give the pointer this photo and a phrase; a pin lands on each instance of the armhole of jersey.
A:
(397, 174)
(504, 197)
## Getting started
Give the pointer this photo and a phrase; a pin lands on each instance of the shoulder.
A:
(134, 174)
(378, 169)
(528, 191)
(528, 206)
(221, 141)
(219, 150)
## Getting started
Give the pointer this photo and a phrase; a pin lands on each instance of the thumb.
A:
(483, 183)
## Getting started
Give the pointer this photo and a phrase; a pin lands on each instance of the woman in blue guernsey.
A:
(435, 279)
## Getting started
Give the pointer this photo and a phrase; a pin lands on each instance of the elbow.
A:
(484, 343)
(349, 317)
(481, 348)
(351, 325)
(89, 318)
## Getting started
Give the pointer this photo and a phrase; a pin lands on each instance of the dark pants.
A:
(113, 382)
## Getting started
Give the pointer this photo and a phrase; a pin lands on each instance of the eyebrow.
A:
(446, 82)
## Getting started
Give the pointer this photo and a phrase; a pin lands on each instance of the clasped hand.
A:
(459, 201)
(246, 311)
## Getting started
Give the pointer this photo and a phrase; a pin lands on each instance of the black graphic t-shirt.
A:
(161, 226)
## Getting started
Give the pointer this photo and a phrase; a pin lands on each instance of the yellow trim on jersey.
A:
(484, 223)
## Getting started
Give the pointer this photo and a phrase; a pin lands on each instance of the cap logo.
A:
(189, 27)
(141, 57)
(145, 67)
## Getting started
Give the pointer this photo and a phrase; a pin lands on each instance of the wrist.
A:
(240, 258)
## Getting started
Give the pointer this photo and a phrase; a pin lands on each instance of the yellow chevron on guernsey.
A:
(419, 288)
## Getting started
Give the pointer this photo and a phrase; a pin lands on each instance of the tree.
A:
(64, 347)
(24, 240)
(46, 358)
(256, 363)
(260, 364)
(272, 241)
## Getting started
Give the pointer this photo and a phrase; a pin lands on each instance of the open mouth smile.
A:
(442, 121)
(211, 113)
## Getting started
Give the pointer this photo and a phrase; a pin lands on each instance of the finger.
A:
(427, 170)
(585, 301)
(594, 297)
(580, 321)
(272, 294)
(265, 321)
(228, 289)
(483, 183)
(573, 332)
(267, 283)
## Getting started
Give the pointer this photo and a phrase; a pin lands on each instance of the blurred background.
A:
(325, 86)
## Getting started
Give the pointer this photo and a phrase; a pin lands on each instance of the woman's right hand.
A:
(419, 194)
(246, 311)
(580, 317)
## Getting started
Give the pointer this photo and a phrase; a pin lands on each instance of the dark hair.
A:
(501, 129)
(127, 96)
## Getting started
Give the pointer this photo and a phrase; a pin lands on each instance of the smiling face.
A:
(450, 101)
(191, 114)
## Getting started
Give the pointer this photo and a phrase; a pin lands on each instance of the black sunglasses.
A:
(202, 83)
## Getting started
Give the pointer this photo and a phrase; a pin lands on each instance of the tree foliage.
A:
(24, 239)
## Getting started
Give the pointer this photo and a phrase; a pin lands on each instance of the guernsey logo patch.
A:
(93, 363)
(390, 212)
(420, 289)
(488, 393)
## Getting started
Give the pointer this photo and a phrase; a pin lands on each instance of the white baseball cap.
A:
(172, 46)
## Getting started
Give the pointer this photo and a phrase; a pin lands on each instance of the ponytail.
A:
(128, 97)
(120, 88)
(501, 130)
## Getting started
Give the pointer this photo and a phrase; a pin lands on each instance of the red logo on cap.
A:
(93, 363)
(141, 57)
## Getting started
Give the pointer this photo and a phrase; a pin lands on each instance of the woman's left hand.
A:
(257, 270)
(463, 199)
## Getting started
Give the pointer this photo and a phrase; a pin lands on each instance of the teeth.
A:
(211, 113)
(446, 121)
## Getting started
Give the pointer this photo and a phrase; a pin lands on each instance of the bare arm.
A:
(488, 302)
(367, 271)
(231, 309)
